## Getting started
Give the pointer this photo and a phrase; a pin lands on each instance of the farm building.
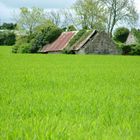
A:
(93, 42)
(96, 43)
(131, 39)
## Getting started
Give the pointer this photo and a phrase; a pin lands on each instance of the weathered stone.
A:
(99, 43)
(131, 39)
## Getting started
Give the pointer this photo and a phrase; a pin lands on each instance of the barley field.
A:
(69, 97)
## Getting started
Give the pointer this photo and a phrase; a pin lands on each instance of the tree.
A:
(91, 14)
(122, 11)
(121, 34)
(29, 19)
(54, 16)
(45, 34)
(69, 18)
(8, 26)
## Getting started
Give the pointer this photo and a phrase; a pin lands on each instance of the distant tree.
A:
(62, 18)
(54, 16)
(69, 18)
(121, 34)
(8, 26)
(90, 14)
(7, 38)
(122, 11)
(29, 19)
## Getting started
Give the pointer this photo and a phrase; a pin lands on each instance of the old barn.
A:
(95, 43)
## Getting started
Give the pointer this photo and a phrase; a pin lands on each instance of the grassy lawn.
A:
(69, 97)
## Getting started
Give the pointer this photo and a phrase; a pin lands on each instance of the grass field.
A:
(69, 97)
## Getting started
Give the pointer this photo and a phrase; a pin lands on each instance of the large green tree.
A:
(119, 12)
(29, 19)
(90, 14)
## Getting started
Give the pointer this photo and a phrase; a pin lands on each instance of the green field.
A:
(69, 97)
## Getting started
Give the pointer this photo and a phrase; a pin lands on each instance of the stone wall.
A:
(99, 44)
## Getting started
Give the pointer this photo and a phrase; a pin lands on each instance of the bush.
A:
(7, 38)
(130, 49)
(15, 48)
(45, 35)
(135, 50)
(21, 45)
(23, 48)
(126, 49)
(121, 34)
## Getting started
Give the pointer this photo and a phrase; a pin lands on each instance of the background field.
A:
(85, 97)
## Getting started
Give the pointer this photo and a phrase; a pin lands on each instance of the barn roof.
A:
(60, 43)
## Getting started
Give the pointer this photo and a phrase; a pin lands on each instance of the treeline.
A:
(7, 35)
(8, 26)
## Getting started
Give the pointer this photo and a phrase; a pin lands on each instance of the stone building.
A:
(96, 43)
(131, 39)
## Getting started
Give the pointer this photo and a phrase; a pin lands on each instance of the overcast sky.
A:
(8, 6)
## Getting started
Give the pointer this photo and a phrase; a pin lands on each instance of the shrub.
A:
(121, 34)
(135, 50)
(24, 48)
(15, 48)
(21, 41)
(130, 49)
(126, 49)
(46, 35)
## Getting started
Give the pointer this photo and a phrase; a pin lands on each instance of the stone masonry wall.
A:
(99, 44)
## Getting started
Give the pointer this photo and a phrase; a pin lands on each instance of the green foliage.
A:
(77, 37)
(121, 34)
(21, 42)
(64, 29)
(136, 33)
(8, 26)
(45, 34)
(29, 19)
(66, 97)
(7, 38)
(71, 28)
(24, 48)
(90, 14)
(130, 49)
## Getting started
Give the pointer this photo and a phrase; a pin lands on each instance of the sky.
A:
(8, 6)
